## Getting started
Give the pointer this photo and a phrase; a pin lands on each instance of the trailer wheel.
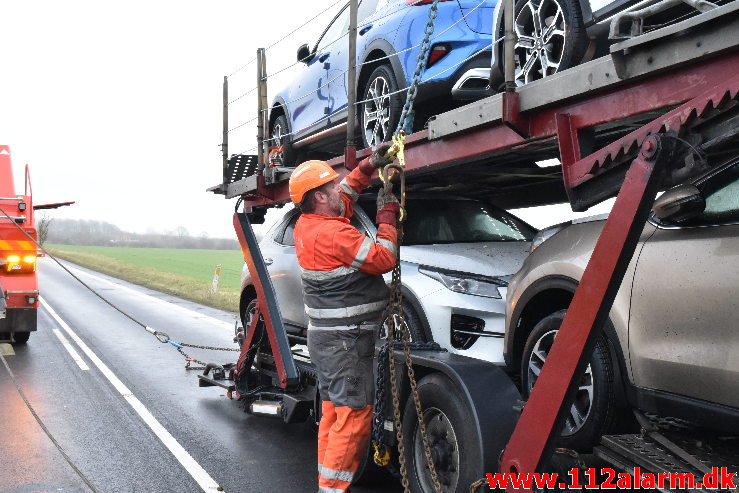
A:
(551, 38)
(452, 437)
(380, 111)
(593, 411)
(21, 337)
(279, 136)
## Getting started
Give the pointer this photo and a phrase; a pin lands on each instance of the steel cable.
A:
(399, 91)
(161, 336)
(283, 38)
(375, 60)
(345, 34)
(35, 415)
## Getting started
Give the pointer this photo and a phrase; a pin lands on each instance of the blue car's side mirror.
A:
(304, 53)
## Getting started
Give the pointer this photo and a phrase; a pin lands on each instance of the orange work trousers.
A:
(342, 443)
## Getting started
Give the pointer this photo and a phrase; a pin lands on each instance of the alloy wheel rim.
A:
(376, 114)
(540, 29)
(444, 451)
(278, 138)
(583, 404)
(251, 309)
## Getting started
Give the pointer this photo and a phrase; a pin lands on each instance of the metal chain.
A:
(402, 334)
(382, 452)
(211, 348)
(396, 319)
(406, 118)
(162, 337)
(477, 484)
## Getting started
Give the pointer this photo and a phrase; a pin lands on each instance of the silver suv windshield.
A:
(461, 221)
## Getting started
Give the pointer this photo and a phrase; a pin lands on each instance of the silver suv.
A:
(456, 257)
(671, 344)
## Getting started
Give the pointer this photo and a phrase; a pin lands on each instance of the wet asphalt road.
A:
(99, 425)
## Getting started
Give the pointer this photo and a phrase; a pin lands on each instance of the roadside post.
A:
(216, 276)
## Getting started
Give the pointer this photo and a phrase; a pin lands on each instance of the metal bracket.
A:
(512, 116)
(267, 307)
(543, 416)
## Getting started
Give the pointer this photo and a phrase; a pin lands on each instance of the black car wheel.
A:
(452, 438)
(412, 321)
(21, 337)
(246, 320)
(593, 409)
(381, 106)
(551, 37)
(280, 141)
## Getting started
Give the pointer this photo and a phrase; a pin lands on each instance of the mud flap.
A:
(18, 320)
(485, 388)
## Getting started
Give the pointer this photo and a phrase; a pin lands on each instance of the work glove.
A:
(379, 158)
(388, 208)
(376, 160)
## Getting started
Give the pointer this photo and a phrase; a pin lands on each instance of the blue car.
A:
(308, 118)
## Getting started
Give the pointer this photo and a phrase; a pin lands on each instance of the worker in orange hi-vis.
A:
(345, 296)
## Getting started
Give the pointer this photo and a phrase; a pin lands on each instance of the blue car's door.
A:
(308, 96)
(339, 70)
(311, 109)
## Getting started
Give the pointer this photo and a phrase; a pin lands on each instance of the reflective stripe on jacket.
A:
(341, 267)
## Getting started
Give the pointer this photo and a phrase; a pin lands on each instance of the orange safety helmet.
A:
(310, 175)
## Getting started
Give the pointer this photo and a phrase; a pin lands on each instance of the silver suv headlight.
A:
(463, 282)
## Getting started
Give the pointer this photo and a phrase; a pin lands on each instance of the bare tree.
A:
(43, 227)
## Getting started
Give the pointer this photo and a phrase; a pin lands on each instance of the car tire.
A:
(279, 135)
(246, 318)
(21, 337)
(413, 321)
(453, 438)
(542, 50)
(381, 107)
(593, 411)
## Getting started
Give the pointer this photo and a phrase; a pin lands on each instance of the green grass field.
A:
(184, 273)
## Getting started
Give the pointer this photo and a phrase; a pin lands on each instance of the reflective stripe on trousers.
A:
(342, 442)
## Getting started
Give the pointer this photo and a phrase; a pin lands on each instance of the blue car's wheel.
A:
(281, 143)
(381, 106)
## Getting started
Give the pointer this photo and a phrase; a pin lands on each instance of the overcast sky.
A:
(117, 105)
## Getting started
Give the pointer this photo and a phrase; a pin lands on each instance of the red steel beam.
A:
(667, 89)
(577, 171)
(544, 412)
(662, 91)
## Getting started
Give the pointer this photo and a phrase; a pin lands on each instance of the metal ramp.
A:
(700, 456)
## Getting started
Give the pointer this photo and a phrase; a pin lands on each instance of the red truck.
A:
(18, 254)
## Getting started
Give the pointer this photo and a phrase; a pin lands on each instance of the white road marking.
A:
(190, 313)
(195, 470)
(74, 354)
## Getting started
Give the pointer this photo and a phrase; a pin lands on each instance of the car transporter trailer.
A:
(626, 125)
